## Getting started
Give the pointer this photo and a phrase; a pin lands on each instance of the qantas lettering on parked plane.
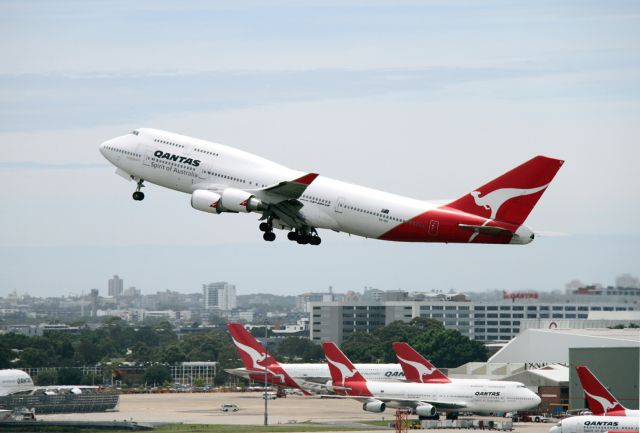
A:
(303, 203)
(177, 158)
(393, 374)
(487, 393)
(602, 423)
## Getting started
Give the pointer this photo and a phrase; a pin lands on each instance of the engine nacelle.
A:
(425, 409)
(376, 406)
(205, 201)
(237, 200)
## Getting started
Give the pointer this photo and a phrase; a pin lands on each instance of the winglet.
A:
(415, 367)
(599, 399)
(306, 179)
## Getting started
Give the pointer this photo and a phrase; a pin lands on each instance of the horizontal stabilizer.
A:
(487, 230)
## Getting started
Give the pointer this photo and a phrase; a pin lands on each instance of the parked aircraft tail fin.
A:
(599, 399)
(345, 377)
(415, 367)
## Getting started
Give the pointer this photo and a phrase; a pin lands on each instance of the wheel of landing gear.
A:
(264, 227)
(303, 239)
(138, 195)
(292, 236)
(269, 236)
(315, 240)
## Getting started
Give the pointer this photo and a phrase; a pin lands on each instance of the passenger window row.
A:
(206, 151)
(125, 152)
(378, 214)
(168, 142)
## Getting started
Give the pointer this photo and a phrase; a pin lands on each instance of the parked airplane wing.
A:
(413, 403)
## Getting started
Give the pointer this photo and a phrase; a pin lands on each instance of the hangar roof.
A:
(552, 345)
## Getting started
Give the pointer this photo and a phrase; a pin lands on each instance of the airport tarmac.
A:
(204, 408)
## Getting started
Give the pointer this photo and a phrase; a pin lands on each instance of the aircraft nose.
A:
(537, 398)
(102, 148)
(555, 429)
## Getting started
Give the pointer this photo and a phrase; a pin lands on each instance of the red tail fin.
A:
(255, 358)
(253, 354)
(512, 196)
(415, 367)
(599, 399)
(343, 372)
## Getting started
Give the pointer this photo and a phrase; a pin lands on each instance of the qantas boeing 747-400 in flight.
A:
(223, 179)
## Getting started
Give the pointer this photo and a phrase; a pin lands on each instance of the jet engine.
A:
(230, 200)
(425, 409)
(374, 406)
(205, 201)
(237, 200)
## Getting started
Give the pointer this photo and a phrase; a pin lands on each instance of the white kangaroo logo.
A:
(604, 402)
(420, 368)
(345, 372)
(495, 199)
(256, 357)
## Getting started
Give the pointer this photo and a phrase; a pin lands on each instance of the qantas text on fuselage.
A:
(224, 179)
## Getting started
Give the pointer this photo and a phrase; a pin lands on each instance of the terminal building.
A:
(483, 321)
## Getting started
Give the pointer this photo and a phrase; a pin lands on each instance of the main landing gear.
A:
(304, 238)
(299, 236)
(267, 228)
(139, 195)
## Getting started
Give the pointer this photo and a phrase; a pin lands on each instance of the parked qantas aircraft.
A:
(600, 400)
(597, 424)
(223, 179)
(425, 399)
(306, 377)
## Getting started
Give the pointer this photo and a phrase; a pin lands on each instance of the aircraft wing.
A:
(414, 402)
(289, 189)
(408, 402)
(283, 199)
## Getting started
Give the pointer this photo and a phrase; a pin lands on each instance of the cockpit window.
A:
(135, 132)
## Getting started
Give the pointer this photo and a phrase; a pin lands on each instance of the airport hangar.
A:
(545, 360)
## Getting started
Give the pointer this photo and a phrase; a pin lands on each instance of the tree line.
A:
(157, 346)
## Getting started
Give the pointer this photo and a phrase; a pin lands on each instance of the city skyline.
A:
(106, 291)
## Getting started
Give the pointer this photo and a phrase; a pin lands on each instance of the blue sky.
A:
(427, 99)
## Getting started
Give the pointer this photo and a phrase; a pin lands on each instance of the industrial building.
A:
(483, 321)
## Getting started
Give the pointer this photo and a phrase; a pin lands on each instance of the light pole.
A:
(266, 359)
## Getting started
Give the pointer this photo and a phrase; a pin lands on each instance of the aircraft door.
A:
(340, 205)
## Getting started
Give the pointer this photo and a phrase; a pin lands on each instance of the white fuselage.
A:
(12, 381)
(478, 397)
(319, 373)
(327, 203)
(597, 424)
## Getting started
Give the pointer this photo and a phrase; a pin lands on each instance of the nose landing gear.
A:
(139, 195)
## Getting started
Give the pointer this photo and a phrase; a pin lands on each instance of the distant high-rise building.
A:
(94, 302)
(116, 285)
(220, 296)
